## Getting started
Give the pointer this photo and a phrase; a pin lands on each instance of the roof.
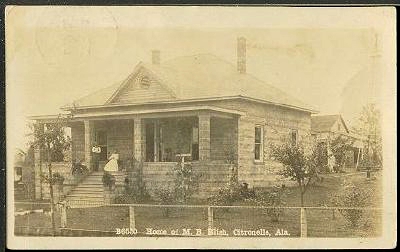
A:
(197, 77)
(324, 123)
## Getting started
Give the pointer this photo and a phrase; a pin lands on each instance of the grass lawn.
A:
(321, 223)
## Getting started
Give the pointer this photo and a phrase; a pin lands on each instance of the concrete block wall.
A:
(277, 123)
(63, 168)
(78, 141)
(120, 138)
(223, 138)
(160, 176)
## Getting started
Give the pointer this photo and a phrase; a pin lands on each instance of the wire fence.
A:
(82, 218)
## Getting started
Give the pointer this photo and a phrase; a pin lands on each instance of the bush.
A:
(186, 182)
(232, 192)
(57, 179)
(352, 196)
(108, 180)
(166, 197)
(273, 200)
(79, 169)
(135, 192)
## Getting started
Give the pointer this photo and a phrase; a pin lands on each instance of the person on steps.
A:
(112, 164)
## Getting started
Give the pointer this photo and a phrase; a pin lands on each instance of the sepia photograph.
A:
(200, 127)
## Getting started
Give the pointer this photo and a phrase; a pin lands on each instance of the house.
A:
(325, 128)
(200, 107)
(23, 176)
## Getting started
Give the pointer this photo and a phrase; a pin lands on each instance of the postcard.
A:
(201, 127)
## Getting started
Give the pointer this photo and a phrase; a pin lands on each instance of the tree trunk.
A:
(301, 195)
(53, 224)
(301, 199)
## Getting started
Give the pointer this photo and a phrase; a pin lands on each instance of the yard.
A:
(321, 222)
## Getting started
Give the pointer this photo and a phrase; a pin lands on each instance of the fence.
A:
(89, 219)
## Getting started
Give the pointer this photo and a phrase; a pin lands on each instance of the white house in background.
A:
(325, 128)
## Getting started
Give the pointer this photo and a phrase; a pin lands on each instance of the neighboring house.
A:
(23, 176)
(325, 128)
(200, 106)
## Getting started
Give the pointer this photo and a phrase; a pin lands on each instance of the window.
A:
(195, 143)
(258, 143)
(141, 81)
(145, 82)
(293, 137)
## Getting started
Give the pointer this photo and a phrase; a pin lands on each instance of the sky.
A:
(55, 55)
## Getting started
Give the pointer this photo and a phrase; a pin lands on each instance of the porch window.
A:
(258, 143)
(195, 143)
(168, 137)
(293, 137)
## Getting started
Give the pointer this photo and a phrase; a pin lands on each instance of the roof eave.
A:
(312, 111)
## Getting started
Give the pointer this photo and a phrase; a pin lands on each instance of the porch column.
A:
(38, 168)
(88, 143)
(204, 137)
(138, 139)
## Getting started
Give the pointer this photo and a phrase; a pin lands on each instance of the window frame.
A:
(260, 144)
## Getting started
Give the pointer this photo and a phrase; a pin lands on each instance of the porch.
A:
(199, 136)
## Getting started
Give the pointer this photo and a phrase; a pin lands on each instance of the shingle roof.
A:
(199, 77)
(324, 123)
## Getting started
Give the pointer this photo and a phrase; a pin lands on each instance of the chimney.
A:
(241, 55)
(155, 57)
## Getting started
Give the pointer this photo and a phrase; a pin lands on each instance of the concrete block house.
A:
(198, 106)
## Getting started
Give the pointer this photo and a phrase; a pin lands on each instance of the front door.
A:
(101, 159)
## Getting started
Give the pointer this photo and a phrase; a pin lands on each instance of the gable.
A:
(339, 126)
(141, 87)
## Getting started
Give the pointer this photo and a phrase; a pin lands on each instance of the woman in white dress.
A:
(112, 164)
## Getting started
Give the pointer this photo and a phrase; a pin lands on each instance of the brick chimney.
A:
(155, 57)
(241, 55)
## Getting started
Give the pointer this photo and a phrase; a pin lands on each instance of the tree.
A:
(298, 165)
(369, 127)
(339, 146)
(50, 139)
(320, 153)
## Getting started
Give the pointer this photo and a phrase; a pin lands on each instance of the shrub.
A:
(56, 179)
(352, 196)
(232, 192)
(108, 180)
(273, 201)
(166, 197)
(79, 169)
(135, 191)
(186, 182)
(134, 187)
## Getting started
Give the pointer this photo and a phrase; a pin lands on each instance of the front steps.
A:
(90, 192)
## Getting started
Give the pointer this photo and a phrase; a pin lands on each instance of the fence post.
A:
(303, 222)
(210, 217)
(63, 213)
(132, 223)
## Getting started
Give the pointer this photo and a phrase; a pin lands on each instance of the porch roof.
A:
(163, 112)
(49, 118)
